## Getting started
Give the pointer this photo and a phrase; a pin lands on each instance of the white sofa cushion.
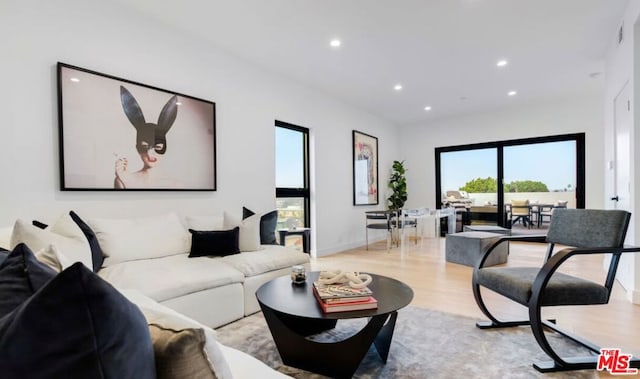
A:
(132, 239)
(270, 258)
(158, 314)
(73, 244)
(249, 231)
(172, 276)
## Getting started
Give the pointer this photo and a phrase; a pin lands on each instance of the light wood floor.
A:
(445, 286)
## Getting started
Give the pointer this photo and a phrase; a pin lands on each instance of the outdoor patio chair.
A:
(521, 211)
(547, 211)
(589, 232)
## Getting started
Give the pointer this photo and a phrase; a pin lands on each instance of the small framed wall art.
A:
(365, 169)
(116, 134)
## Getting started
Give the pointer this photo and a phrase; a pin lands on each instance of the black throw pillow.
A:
(97, 256)
(4, 253)
(76, 326)
(216, 242)
(21, 275)
(268, 223)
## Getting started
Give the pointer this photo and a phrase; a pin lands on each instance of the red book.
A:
(369, 303)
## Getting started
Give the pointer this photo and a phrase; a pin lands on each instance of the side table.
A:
(304, 232)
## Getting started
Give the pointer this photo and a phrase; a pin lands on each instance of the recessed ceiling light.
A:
(512, 93)
(75, 80)
(397, 87)
(502, 63)
(335, 43)
(427, 108)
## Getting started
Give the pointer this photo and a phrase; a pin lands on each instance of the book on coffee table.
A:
(340, 292)
(347, 304)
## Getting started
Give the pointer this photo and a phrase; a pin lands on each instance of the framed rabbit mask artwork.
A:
(116, 134)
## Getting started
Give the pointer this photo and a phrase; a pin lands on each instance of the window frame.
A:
(304, 192)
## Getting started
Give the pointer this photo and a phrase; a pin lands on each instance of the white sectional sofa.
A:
(149, 257)
(213, 291)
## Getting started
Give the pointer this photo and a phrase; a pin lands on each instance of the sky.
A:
(552, 163)
(289, 163)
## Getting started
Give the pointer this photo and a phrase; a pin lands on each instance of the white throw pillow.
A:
(159, 314)
(249, 231)
(53, 258)
(133, 239)
(65, 226)
(205, 222)
(75, 249)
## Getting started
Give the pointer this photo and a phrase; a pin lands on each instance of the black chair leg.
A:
(557, 363)
(493, 322)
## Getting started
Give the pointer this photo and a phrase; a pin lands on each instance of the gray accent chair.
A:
(586, 231)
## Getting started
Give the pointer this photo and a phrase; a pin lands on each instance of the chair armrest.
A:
(554, 263)
(521, 238)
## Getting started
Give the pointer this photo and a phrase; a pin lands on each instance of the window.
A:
(487, 176)
(292, 178)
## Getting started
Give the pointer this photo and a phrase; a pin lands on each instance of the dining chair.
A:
(520, 211)
(381, 220)
(409, 219)
(546, 211)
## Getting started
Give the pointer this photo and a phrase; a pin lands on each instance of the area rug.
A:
(426, 344)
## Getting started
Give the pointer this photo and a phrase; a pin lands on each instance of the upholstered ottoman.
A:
(487, 228)
(467, 248)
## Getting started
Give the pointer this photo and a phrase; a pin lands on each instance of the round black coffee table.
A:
(293, 313)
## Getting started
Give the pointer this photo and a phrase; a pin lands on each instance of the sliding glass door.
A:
(484, 179)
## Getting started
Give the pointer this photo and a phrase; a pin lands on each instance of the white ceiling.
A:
(443, 52)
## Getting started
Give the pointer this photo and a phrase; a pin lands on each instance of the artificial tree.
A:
(398, 186)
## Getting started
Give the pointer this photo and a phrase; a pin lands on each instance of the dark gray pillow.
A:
(216, 242)
(21, 275)
(76, 326)
(97, 256)
(268, 224)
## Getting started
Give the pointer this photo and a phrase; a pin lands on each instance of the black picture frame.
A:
(365, 169)
(119, 135)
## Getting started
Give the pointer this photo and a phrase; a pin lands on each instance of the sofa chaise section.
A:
(204, 289)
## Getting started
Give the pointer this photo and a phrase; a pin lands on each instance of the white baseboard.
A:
(346, 246)
(634, 296)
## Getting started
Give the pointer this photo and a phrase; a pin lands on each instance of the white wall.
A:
(620, 68)
(110, 39)
(579, 113)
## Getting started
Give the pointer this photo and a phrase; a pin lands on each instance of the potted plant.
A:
(398, 186)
